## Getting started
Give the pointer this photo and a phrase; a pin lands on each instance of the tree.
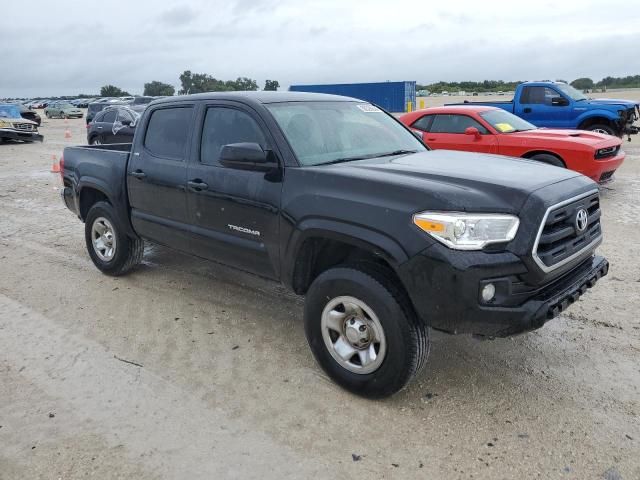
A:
(203, 82)
(583, 83)
(158, 89)
(112, 91)
(271, 85)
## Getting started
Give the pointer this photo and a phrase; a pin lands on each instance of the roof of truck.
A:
(261, 97)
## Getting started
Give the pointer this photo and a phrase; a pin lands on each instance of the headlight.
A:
(4, 124)
(467, 231)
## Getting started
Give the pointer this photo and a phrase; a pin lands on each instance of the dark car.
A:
(113, 125)
(94, 107)
(339, 201)
(30, 115)
(144, 100)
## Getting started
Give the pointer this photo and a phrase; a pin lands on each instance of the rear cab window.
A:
(168, 132)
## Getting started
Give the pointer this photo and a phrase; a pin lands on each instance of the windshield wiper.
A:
(396, 152)
(366, 157)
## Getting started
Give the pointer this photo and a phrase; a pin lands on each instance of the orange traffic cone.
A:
(55, 168)
(67, 133)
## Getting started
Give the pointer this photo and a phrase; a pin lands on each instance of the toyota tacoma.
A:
(339, 201)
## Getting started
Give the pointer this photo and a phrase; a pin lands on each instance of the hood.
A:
(451, 180)
(612, 102)
(574, 137)
(18, 120)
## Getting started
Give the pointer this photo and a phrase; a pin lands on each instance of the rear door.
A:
(235, 213)
(104, 124)
(447, 131)
(157, 175)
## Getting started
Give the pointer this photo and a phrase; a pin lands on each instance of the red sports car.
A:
(493, 130)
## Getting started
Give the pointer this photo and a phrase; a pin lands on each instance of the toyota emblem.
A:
(582, 220)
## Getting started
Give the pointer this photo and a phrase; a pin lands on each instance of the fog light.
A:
(488, 292)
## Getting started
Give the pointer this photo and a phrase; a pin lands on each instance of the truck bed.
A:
(101, 168)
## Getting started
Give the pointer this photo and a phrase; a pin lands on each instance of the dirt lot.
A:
(227, 388)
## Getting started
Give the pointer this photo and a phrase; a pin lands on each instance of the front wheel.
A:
(363, 331)
(113, 252)
(602, 128)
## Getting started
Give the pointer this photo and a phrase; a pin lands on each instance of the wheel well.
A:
(596, 120)
(88, 198)
(543, 152)
(319, 254)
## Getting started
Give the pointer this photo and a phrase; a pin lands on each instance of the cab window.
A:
(455, 124)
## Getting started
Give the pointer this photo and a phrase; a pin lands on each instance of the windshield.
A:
(569, 91)
(506, 122)
(9, 111)
(328, 132)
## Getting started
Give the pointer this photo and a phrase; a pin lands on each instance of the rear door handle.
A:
(99, 128)
(527, 110)
(138, 174)
(197, 185)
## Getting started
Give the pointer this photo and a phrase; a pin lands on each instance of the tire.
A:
(549, 159)
(401, 343)
(95, 140)
(46, 114)
(127, 251)
(602, 128)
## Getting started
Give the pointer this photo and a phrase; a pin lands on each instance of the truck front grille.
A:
(560, 238)
(25, 127)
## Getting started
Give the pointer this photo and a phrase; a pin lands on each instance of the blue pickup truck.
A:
(558, 105)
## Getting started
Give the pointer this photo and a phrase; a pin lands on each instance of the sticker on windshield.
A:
(505, 127)
(367, 107)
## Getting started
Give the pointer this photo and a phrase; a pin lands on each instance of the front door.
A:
(157, 174)
(447, 131)
(235, 213)
(537, 107)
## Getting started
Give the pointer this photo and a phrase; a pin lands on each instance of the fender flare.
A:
(359, 236)
(101, 186)
(589, 114)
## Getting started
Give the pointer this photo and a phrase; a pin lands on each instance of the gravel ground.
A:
(225, 386)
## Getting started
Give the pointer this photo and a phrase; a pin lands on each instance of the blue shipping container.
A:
(392, 96)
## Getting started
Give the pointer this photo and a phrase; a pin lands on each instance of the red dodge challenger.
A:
(493, 130)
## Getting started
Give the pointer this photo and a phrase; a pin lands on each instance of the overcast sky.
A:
(67, 47)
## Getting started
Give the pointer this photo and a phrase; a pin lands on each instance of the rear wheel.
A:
(549, 159)
(363, 331)
(602, 128)
(113, 252)
(95, 140)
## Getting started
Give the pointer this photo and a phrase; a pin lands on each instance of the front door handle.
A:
(527, 110)
(138, 174)
(99, 128)
(431, 139)
(197, 185)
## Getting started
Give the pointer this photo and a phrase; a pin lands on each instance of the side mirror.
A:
(472, 131)
(126, 122)
(559, 102)
(245, 156)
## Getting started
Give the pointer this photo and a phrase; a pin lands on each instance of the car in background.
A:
(94, 107)
(26, 112)
(14, 127)
(114, 124)
(558, 105)
(142, 100)
(83, 102)
(493, 130)
(63, 110)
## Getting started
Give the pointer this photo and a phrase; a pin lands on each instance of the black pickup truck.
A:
(339, 201)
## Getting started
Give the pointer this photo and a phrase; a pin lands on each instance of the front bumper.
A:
(604, 168)
(11, 134)
(446, 293)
